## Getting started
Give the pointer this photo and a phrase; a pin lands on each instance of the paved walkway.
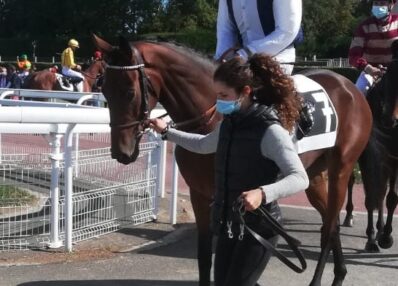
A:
(156, 254)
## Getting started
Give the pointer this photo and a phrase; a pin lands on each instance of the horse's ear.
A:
(102, 45)
(125, 47)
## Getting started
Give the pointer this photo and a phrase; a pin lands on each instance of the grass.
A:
(12, 195)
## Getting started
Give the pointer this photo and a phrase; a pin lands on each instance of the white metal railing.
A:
(51, 94)
(22, 112)
(55, 120)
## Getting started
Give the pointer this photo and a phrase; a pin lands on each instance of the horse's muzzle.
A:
(126, 156)
(123, 158)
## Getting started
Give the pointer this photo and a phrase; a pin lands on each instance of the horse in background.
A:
(47, 80)
(141, 74)
(379, 161)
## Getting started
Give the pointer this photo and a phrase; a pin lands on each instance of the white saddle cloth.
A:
(324, 131)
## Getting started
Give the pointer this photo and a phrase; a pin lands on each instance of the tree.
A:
(328, 26)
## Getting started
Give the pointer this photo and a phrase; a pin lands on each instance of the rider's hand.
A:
(252, 199)
(78, 67)
(228, 55)
(373, 71)
(157, 124)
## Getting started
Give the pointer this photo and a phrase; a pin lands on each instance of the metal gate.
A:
(106, 195)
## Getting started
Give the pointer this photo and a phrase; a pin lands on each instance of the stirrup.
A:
(306, 120)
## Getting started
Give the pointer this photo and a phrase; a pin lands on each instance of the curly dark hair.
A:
(271, 86)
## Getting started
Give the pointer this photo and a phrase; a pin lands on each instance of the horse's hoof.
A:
(385, 241)
(348, 222)
(337, 282)
(371, 247)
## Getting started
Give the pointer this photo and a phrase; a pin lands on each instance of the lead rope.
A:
(278, 228)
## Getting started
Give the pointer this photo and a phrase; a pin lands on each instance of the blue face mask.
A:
(380, 11)
(227, 106)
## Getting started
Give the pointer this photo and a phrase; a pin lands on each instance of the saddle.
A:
(68, 83)
(306, 120)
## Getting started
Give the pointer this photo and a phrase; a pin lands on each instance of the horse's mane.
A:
(196, 56)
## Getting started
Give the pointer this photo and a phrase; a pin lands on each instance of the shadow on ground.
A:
(110, 283)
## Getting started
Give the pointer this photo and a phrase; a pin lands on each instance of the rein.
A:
(210, 112)
(90, 76)
(278, 228)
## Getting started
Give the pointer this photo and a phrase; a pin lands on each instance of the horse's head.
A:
(125, 88)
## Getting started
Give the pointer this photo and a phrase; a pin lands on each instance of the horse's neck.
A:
(186, 92)
(91, 73)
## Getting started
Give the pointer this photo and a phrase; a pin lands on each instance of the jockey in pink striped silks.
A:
(370, 48)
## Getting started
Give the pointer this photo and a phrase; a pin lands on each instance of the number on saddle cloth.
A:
(318, 121)
(67, 82)
(306, 120)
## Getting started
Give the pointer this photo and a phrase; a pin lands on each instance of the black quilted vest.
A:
(240, 165)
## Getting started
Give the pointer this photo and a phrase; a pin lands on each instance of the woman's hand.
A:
(252, 199)
(157, 124)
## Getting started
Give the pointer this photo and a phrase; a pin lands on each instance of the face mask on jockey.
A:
(380, 12)
(228, 106)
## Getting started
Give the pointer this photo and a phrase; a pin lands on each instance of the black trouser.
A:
(241, 262)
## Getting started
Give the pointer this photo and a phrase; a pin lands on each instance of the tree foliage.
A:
(328, 24)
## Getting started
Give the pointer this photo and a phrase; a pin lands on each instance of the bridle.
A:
(144, 82)
(145, 85)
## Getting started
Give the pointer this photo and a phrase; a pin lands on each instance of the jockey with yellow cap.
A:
(69, 67)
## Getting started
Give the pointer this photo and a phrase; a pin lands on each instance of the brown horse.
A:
(141, 74)
(46, 80)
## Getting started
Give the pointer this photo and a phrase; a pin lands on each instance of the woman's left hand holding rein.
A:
(157, 124)
(252, 199)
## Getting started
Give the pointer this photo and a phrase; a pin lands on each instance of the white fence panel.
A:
(105, 195)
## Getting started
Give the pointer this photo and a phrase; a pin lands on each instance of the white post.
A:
(162, 168)
(68, 187)
(77, 155)
(55, 157)
(174, 193)
(53, 60)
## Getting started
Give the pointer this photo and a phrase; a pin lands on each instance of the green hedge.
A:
(350, 73)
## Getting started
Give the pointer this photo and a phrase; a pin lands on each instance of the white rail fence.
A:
(72, 189)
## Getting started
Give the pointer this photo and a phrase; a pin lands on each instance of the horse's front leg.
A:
(201, 208)
(386, 240)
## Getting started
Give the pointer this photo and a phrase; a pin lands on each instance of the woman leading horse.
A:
(252, 147)
(141, 74)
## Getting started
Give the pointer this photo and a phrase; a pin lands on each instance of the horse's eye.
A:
(130, 93)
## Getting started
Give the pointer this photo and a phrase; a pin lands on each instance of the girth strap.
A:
(278, 228)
